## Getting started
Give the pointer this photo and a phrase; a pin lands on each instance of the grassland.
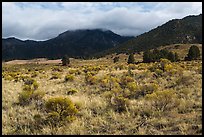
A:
(162, 98)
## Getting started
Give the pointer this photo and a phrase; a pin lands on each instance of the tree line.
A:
(153, 56)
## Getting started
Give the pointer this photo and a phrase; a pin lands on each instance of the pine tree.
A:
(131, 59)
(193, 53)
(171, 56)
(147, 57)
(65, 60)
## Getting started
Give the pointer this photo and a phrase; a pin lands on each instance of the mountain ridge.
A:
(77, 43)
(185, 30)
(88, 43)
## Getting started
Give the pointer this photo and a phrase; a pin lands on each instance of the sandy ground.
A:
(37, 61)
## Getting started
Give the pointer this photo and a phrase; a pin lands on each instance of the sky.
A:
(45, 20)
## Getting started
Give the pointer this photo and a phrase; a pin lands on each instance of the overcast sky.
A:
(45, 20)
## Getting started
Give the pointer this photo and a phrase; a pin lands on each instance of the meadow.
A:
(96, 97)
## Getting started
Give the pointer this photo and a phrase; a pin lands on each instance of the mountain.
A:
(88, 43)
(76, 43)
(184, 31)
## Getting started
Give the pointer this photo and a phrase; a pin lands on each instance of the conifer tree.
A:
(193, 53)
(65, 60)
(131, 59)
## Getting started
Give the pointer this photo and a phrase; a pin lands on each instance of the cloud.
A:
(45, 20)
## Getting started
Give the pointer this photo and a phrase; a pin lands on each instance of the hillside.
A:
(185, 31)
(78, 43)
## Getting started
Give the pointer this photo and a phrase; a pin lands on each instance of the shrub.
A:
(28, 81)
(119, 103)
(125, 80)
(75, 71)
(184, 80)
(132, 66)
(37, 95)
(30, 92)
(56, 68)
(30, 84)
(60, 109)
(149, 88)
(90, 79)
(163, 100)
(158, 72)
(69, 78)
(71, 91)
(25, 97)
(55, 76)
(120, 67)
(34, 74)
(132, 86)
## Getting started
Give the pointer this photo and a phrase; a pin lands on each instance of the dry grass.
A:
(178, 110)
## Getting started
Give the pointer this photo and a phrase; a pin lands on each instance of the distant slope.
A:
(78, 43)
(184, 31)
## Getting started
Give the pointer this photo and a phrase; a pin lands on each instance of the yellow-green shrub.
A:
(149, 88)
(75, 71)
(125, 80)
(90, 79)
(56, 68)
(30, 84)
(69, 78)
(60, 109)
(30, 92)
(55, 75)
(25, 97)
